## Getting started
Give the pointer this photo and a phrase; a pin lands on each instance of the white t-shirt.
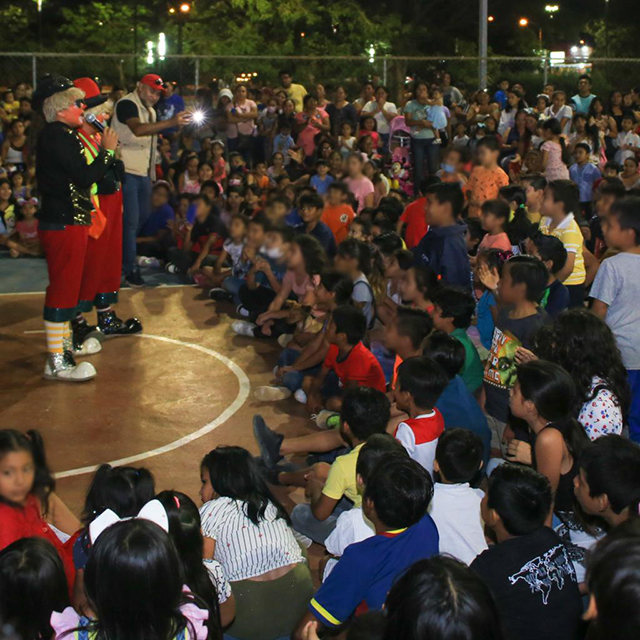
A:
(352, 527)
(246, 550)
(565, 111)
(419, 436)
(382, 124)
(455, 508)
(219, 580)
(602, 415)
(626, 138)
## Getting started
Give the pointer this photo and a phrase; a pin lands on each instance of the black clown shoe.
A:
(110, 325)
(81, 330)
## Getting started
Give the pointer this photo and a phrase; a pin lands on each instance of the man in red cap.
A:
(135, 123)
(103, 260)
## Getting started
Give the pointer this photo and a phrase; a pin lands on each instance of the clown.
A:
(66, 217)
(103, 261)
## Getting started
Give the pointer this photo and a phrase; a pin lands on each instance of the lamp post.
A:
(483, 38)
(185, 7)
(525, 22)
(39, 4)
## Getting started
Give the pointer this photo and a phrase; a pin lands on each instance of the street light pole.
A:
(483, 37)
(40, 24)
(606, 26)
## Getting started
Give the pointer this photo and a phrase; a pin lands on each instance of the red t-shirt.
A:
(360, 365)
(414, 218)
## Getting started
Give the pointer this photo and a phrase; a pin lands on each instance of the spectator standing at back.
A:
(169, 105)
(582, 99)
(295, 92)
(134, 120)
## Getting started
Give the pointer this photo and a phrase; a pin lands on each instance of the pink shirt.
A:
(306, 138)
(499, 241)
(556, 169)
(246, 127)
(361, 188)
(301, 289)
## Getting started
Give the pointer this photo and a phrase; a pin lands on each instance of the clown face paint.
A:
(72, 116)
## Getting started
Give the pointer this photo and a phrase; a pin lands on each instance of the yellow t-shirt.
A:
(534, 216)
(297, 92)
(342, 478)
(568, 232)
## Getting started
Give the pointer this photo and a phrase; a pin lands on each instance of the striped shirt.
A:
(568, 232)
(246, 550)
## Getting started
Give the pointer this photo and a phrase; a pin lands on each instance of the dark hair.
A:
(566, 191)
(459, 454)
(44, 484)
(312, 200)
(553, 125)
(585, 76)
(552, 392)
(379, 446)
(536, 180)
(456, 303)
(234, 474)
(490, 142)
(532, 273)
(404, 258)
(338, 284)
(551, 250)
(584, 345)
(584, 146)
(612, 164)
(517, 227)
(611, 465)
(424, 379)
(449, 192)
(340, 186)
(400, 490)
(367, 626)
(351, 321)
(520, 496)
(415, 324)
(427, 281)
(520, 106)
(312, 252)
(366, 411)
(260, 219)
(612, 187)
(366, 229)
(495, 258)
(448, 352)
(205, 199)
(613, 579)
(441, 599)
(186, 534)
(388, 243)
(135, 562)
(32, 586)
(627, 212)
(353, 248)
(124, 490)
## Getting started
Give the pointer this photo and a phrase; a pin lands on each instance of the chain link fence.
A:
(197, 71)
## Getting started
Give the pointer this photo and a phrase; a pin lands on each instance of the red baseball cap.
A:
(92, 94)
(154, 81)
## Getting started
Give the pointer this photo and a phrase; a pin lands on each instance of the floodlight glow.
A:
(162, 46)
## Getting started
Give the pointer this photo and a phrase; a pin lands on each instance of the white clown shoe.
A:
(62, 366)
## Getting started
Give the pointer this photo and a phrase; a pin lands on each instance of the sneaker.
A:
(322, 419)
(171, 268)
(437, 141)
(305, 541)
(271, 394)
(300, 396)
(268, 441)
(243, 328)
(200, 280)
(218, 294)
(241, 311)
(149, 263)
(134, 280)
(285, 339)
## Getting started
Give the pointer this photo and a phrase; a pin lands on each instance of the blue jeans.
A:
(232, 284)
(421, 147)
(306, 523)
(136, 203)
(292, 380)
(634, 412)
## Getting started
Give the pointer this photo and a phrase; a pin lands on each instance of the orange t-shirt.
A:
(338, 219)
(484, 184)
(360, 366)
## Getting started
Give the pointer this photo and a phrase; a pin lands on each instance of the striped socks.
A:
(56, 332)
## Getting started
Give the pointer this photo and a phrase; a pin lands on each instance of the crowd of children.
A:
(465, 342)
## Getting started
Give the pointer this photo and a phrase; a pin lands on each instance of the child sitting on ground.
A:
(311, 209)
(420, 382)
(452, 313)
(322, 180)
(24, 240)
(455, 507)
(528, 553)
(360, 229)
(552, 252)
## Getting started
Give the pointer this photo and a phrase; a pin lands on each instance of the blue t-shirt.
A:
(157, 221)
(584, 176)
(485, 319)
(460, 409)
(419, 111)
(501, 98)
(582, 104)
(168, 108)
(320, 185)
(293, 219)
(367, 570)
(324, 236)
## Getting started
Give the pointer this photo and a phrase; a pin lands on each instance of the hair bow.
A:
(153, 511)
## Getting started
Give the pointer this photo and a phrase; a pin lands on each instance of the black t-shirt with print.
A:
(534, 586)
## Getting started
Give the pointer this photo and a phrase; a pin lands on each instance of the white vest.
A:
(137, 152)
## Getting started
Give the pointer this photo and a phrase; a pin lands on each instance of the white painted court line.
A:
(41, 293)
(243, 394)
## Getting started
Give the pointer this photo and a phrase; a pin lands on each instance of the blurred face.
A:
(237, 162)
(584, 86)
(519, 406)
(597, 107)
(234, 200)
(192, 165)
(628, 100)
(286, 80)
(320, 92)
(202, 210)
(8, 97)
(255, 235)
(241, 93)
(549, 206)
(439, 322)
(627, 124)
(615, 236)
(558, 99)
(533, 196)
(581, 155)
(288, 107)
(251, 197)
(340, 94)
(5, 191)
(261, 169)
(381, 94)
(490, 222)
(391, 337)
(367, 91)
(548, 89)
(295, 259)
(487, 156)
(616, 98)
(21, 91)
(509, 293)
(159, 197)
(206, 490)
(512, 99)
(422, 93)
(278, 160)
(630, 166)
(205, 173)
(148, 95)
(237, 229)
(504, 85)
(593, 506)
(408, 286)
(541, 104)
(345, 264)
(28, 211)
(401, 398)
(312, 105)
(25, 107)
(17, 473)
(356, 231)
(368, 124)
(354, 167)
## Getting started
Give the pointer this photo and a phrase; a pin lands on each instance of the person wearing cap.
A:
(103, 261)
(135, 123)
(66, 216)
(219, 116)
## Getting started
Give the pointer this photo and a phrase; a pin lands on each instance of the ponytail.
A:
(519, 228)
(566, 154)
(375, 275)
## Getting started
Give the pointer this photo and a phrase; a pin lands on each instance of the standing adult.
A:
(367, 94)
(508, 115)
(309, 123)
(452, 95)
(321, 95)
(416, 115)
(341, 111)
(295, 92)
(169, 105)
(135, 123)
(383, 113)
(241, 121)
(582, 99)
(65, 220)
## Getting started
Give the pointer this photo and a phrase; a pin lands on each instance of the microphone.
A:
(92, 119)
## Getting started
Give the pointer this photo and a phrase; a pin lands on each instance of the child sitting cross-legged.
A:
(455, 507)
(418, 386)
(529, 571)
(396, 500)
(331, 489)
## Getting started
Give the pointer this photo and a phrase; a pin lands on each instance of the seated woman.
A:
(247, 531)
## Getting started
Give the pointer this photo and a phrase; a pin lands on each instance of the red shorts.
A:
(103, 261)
(64, 251)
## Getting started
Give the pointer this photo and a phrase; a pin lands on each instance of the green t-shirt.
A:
(473, 371)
